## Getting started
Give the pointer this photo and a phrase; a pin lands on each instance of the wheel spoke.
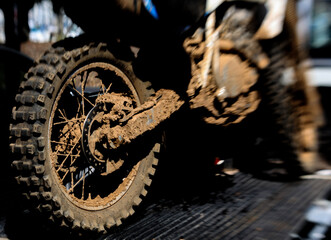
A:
(107, 90)
(78, 111)
(83, 91)
(67, 156)
(71, 120)
(73, 186)
(72, 178)
(83, 187)
(82, 95)
(67, 133)
(63, 143)
(63, 114)
(73, 160)
(63, 154)
(64, 176)
(104, 89)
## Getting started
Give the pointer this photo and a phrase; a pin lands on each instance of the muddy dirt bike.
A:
(85, 131)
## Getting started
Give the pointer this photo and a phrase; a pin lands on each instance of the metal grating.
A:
(249, 209)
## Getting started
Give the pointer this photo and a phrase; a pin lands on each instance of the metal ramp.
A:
(249, 209)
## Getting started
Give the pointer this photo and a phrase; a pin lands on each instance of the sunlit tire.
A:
(46, 144)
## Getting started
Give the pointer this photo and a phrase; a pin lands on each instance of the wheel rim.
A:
(81, 182)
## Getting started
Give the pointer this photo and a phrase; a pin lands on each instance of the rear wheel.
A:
(73, 182)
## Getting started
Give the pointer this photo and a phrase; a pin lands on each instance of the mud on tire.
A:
(281, 136)
(47, 178)
(290, 110)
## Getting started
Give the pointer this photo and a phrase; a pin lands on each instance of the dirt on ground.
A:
(34, 49)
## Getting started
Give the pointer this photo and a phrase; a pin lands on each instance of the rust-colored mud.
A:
(33, 49)
(144, 118)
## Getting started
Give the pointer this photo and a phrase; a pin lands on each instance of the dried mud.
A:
(34, 50)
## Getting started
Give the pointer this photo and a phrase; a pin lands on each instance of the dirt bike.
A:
(86, 131)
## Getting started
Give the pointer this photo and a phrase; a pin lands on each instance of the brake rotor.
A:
(90, 155)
